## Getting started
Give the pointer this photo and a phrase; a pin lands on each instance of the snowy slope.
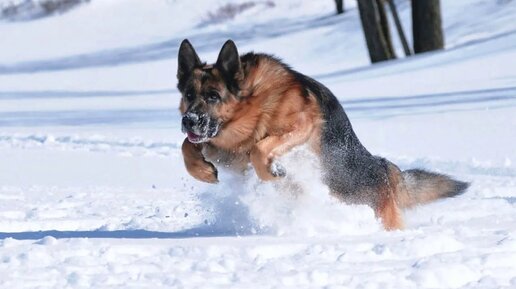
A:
(93, 193)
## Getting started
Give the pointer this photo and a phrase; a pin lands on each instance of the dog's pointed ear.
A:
(229, 60)
(187, 60)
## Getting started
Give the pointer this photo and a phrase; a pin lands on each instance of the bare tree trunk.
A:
(384, 23)
(340, 6)
(399, 27)
(377, 42)
(426, 25)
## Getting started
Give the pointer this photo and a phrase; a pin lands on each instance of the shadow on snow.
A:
(198, 232)
(168, 49)
(380, 107)
(49, 94)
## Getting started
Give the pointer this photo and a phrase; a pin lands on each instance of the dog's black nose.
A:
(190, 120)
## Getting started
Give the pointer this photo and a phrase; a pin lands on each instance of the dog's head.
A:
(209, 92)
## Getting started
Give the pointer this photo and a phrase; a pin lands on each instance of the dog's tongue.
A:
(192, 137)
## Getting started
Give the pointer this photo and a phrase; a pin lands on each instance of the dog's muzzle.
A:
(199, 128)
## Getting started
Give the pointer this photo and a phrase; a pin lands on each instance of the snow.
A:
(93, 192)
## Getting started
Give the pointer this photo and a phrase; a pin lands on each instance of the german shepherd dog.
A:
(254, 108)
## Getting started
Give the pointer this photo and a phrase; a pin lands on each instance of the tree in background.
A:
(376, 30)
(340, 6)
(399, 27)
(384, 24)
(426, 25)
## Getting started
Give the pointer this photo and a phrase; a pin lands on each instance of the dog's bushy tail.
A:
(422, 187)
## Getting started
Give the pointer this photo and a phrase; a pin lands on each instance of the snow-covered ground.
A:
(93, 193)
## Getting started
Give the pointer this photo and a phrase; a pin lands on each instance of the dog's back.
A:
(356, 176)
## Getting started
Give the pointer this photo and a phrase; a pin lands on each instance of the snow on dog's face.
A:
(209, 92)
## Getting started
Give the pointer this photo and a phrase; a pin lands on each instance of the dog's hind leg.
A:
(387, 208)
(389, 212)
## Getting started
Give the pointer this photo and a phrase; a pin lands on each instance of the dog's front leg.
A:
(263, 159)
(264, 153)
(196, 165)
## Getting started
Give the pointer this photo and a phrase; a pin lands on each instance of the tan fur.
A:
(388, 209)
(195, 163)
(389, 212)
(269, 121)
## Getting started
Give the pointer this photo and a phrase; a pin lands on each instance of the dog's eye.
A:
(189, 95)
(212, 96)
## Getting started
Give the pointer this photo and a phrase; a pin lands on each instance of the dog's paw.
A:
(205, 172)
(277, 170)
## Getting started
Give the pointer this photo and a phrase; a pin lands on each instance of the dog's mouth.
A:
(194, 138)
